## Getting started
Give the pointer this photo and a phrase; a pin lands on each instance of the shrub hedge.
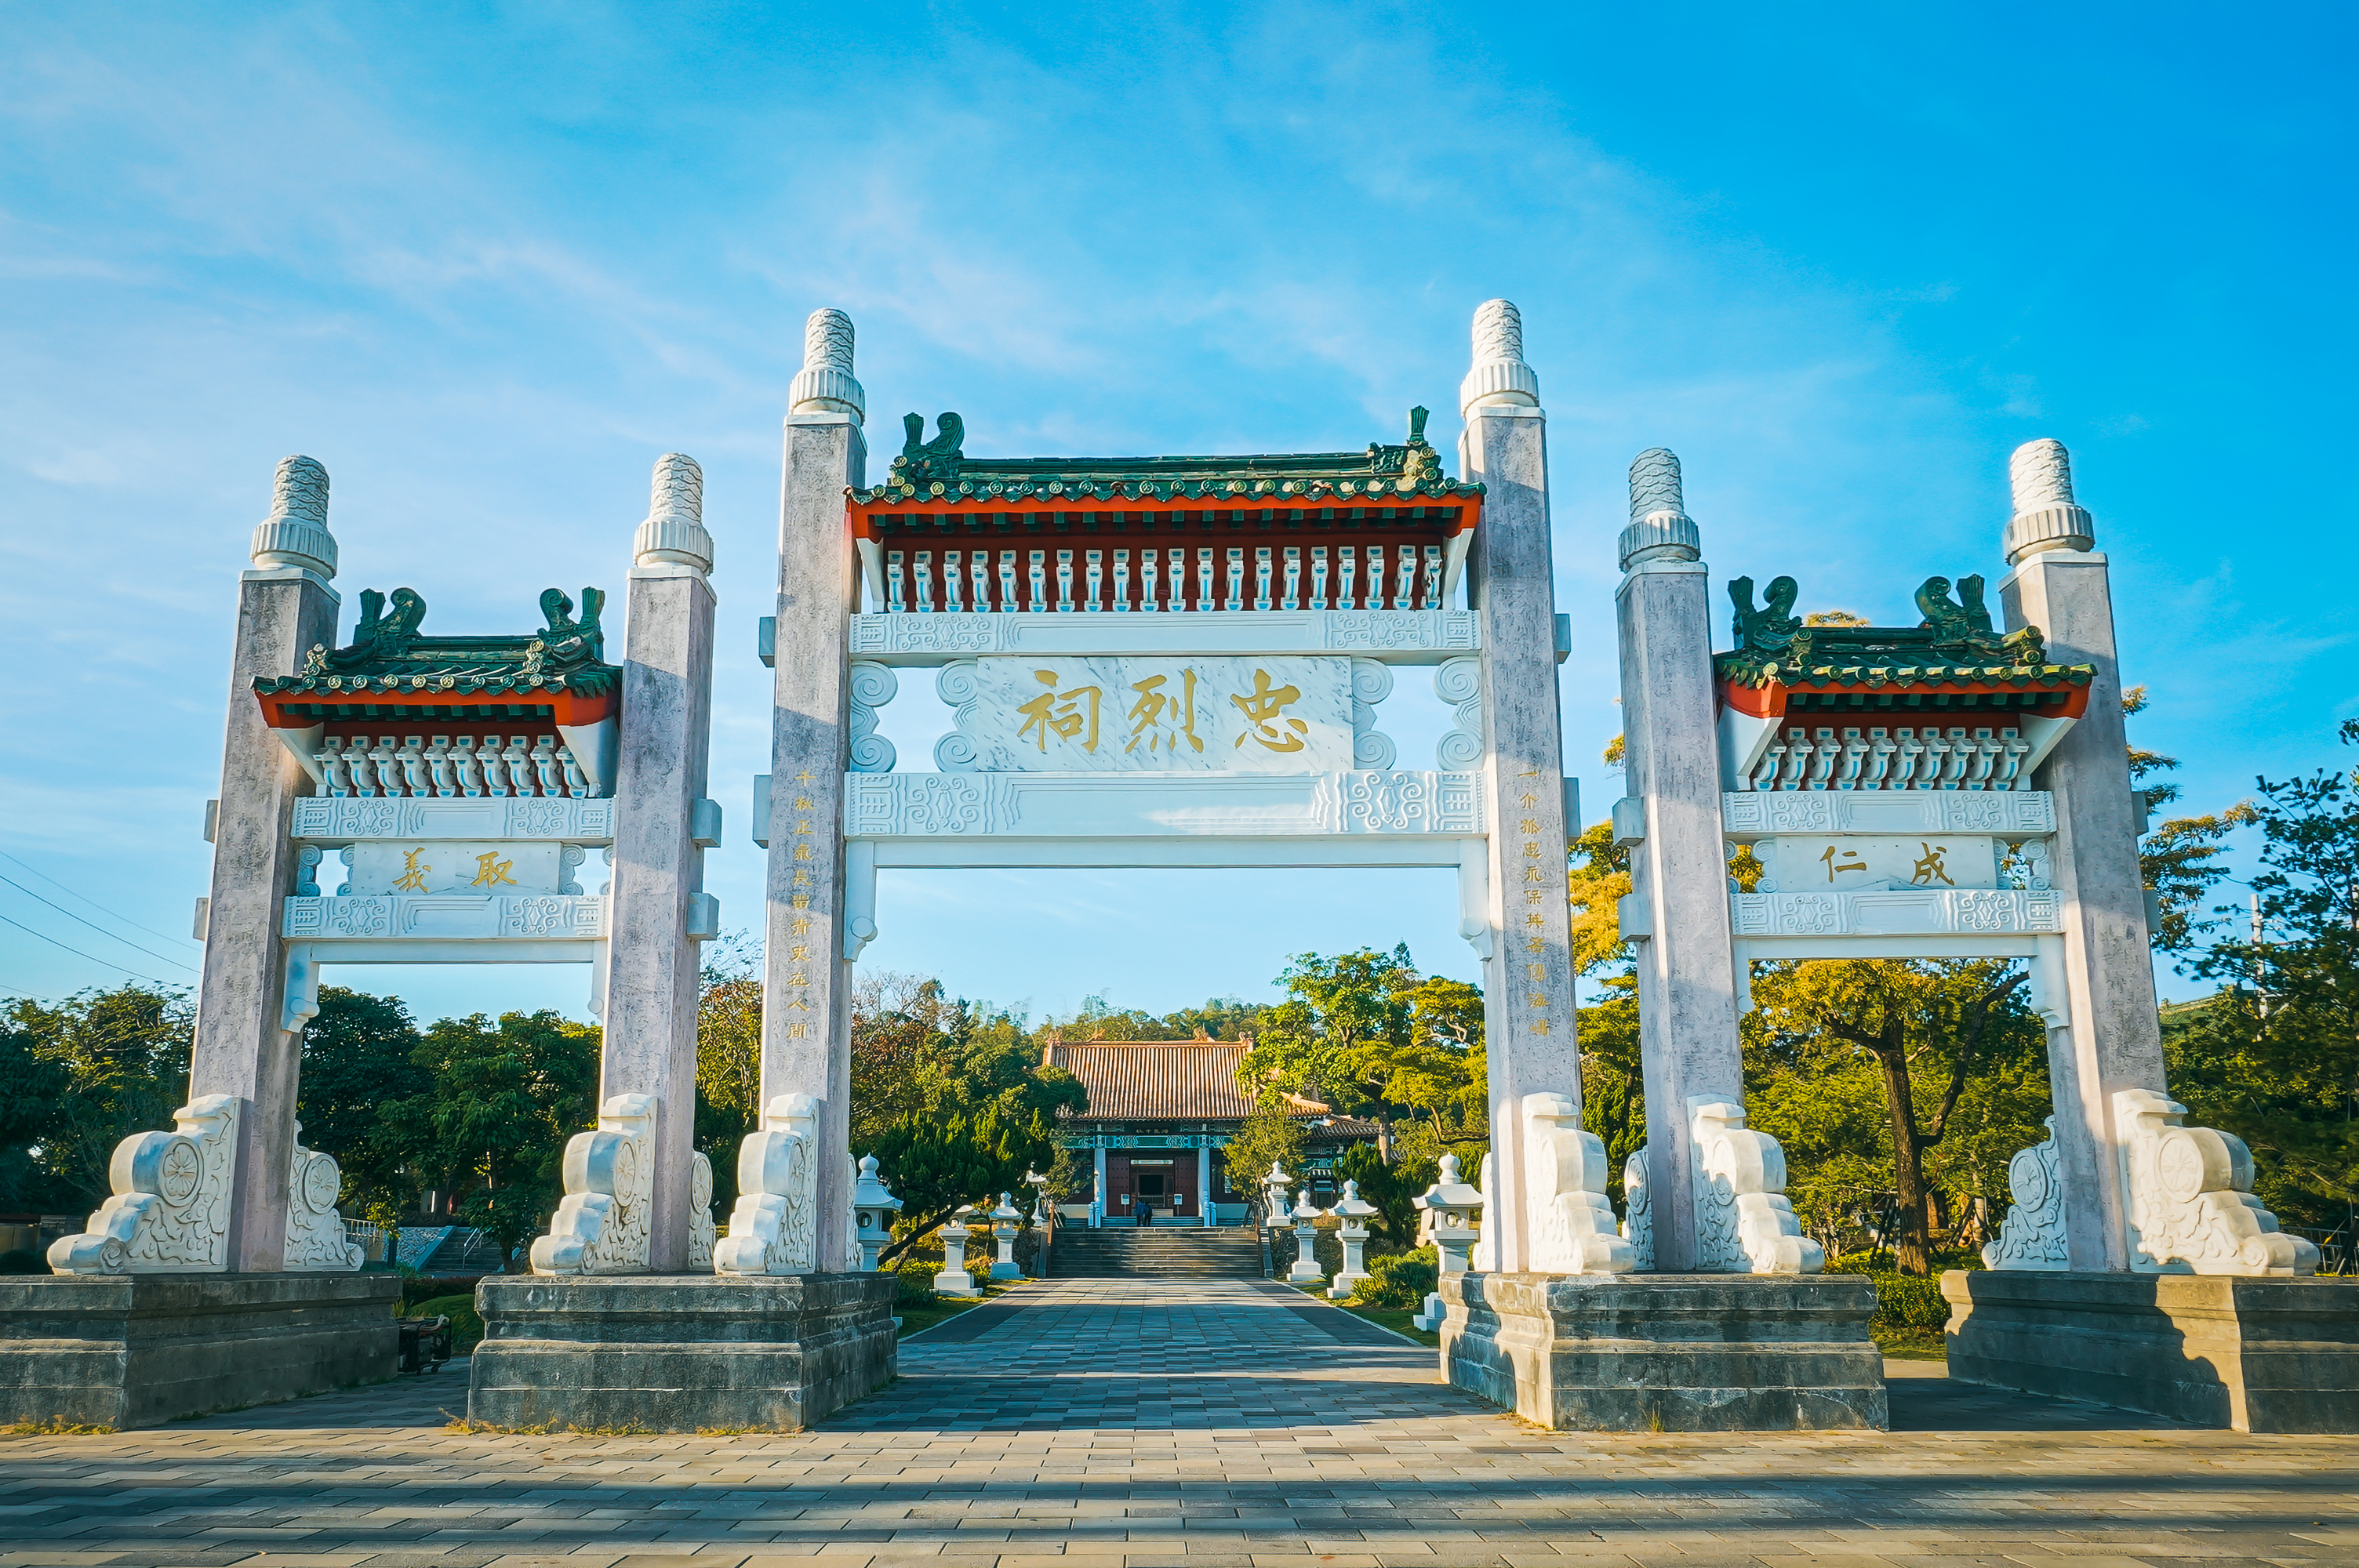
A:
(914, 1283)
(1399, 1280)
(1902, 1301)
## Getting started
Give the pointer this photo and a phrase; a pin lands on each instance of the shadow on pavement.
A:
(1924, 1399)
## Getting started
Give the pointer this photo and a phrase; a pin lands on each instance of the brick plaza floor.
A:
(1195, 1424)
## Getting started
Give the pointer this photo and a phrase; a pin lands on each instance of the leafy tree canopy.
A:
(1895, 1077)
(936, 1163)
(78, 1077)
(2274, 1057)
(1271, 1135)
(1367, 1033)
(358, 1053)
(505, 1097)
(2180, 859)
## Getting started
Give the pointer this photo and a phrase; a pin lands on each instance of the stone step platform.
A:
(1158, 1253)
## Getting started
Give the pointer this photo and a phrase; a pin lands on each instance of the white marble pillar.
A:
(807, 976)
(652, 961)
(1098, 1202)
(1677, 911)
(1519, 925)
(1204, 1185)
(285, 608)
(2110, 1038)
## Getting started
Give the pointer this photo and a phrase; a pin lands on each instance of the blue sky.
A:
(486, 262)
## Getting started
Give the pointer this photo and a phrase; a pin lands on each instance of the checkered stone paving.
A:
(1179, 1424)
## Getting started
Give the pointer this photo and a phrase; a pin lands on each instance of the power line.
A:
(102, 930)
(92, 901)
(80, 954)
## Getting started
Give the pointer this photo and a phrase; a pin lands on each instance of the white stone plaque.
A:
(1858, 863)
(484, 869)
(1154, 715)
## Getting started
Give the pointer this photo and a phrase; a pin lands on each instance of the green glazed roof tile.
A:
(1954, 646)
(389, 654)
(940, 472)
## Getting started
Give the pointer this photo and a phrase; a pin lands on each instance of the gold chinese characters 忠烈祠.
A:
(1212, 714)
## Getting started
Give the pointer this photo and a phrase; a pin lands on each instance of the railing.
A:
(2338, 1249)
(369, 1239)
(1922, 758)
(1152, 579)
(451, 767)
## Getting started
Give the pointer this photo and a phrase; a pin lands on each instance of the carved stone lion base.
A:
(680, 1352)
(2252, 1354)
(1667, 1351)
(129, 1350)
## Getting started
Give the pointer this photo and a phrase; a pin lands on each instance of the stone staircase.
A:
(1190, 1252)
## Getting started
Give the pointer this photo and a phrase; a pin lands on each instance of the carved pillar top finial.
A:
(296, 532)
(1498, 374)
(825, 385)
(1660, 529)
(2045, 516)
(674, 530)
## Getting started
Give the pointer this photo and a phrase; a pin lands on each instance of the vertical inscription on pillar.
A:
(806, 949)
(1540, 856)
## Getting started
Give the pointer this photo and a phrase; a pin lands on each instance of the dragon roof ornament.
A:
(1955, 643)
(939, 472)
(388, 653)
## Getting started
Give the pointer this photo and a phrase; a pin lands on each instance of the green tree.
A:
(2180, 860)
(935, 1163)
(1271, 1134)
(1392, 1186)
(504, 1099)
(1828, 1039)
(358, 1053)
(953, 1091)
(2275, 1057)
(1612, 1084)
(1367, 1035)
(916, 1051)
(1220, 1018)
(728, 1059)
(34, 1085)
(99, 1066)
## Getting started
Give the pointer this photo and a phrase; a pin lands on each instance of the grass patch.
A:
(745, 1432)
(1911, 1344)
(1397, 1320)
(942, 1309)
(465, 1427)
(56, 1426)
(918, 1315)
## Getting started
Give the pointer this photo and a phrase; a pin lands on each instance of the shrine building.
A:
(1159, 1119)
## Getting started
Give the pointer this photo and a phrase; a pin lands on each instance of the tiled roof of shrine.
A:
(388, 655)
(1954, 646)
(1172, 1080)
(939, 472)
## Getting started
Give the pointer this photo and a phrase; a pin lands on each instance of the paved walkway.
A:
(1194, 1425)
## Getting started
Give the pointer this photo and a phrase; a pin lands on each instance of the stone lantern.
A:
(1004, 1221)
(873, 1207)
(1274, 1187)
(1353, 1211)
(1306, 1232)
(954, 1281)
(1450, 1208)
(1039, 1185)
